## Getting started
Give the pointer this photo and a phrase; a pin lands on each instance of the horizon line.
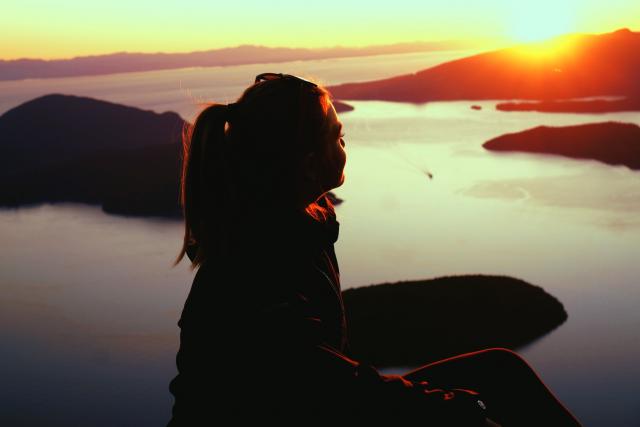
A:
(470, 42)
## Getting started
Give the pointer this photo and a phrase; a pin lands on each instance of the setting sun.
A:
(532, 22)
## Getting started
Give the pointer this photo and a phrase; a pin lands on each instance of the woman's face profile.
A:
(332, 164)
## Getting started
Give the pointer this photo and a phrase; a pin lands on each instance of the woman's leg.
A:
(513, 392)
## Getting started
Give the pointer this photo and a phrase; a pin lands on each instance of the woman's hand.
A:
(491, 423)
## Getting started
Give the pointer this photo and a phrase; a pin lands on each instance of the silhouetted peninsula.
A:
(63, 148)
(613, 143)
(411, 323)
(123, 62)
(592, 106)
(570, 66)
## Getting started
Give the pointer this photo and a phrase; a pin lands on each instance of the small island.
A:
(612, 143)
(568, 106)
(64, 148)
(411, 323)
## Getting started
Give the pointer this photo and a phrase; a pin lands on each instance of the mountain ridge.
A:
(568, 66)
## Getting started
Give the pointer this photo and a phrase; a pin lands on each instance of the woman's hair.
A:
(237, 172)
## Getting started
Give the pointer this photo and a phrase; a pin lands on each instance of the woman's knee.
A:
(489, 361)
(504, 357)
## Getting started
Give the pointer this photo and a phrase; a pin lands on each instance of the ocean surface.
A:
(89, 301)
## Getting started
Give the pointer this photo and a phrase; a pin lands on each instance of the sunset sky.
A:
(67, 28)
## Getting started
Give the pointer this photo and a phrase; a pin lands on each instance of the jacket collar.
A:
(322, 232)
(293, 229)
(299, 230)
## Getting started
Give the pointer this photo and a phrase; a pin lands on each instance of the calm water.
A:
(89, 303)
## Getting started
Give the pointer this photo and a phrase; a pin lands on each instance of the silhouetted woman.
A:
(263, 333)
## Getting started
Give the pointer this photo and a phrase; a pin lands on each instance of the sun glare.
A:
(541, 20)
(545, 51)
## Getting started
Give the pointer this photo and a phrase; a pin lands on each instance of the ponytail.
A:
(203, 172)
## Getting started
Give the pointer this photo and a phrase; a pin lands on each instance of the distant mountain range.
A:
(59, 148)
(570, 66)
(123, 62)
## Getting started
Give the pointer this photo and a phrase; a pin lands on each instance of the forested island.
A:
(612, 143)
(566, 106)
(411, 323)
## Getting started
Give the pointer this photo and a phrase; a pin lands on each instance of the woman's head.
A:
(279, 149)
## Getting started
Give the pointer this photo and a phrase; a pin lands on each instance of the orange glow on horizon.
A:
(546, 50)
(70, 28)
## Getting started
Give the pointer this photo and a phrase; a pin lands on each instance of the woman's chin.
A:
(335, 184)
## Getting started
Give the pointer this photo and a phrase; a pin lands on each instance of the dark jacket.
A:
(264, 338)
